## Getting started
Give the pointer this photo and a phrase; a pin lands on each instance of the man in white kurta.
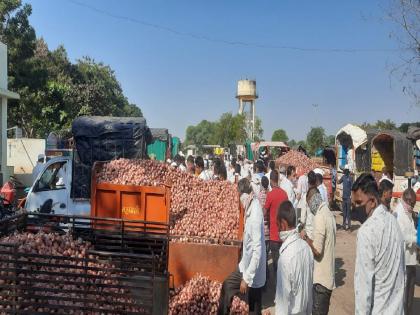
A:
(404, 214)
(380, 264)
(295, 267)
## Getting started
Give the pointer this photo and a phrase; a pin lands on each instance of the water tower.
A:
(247, 95)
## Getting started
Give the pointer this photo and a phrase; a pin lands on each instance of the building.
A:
(5, 94)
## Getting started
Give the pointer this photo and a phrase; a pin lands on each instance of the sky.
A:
(179, 61)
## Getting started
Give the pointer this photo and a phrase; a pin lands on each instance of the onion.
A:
(52, 244)
(200, 210)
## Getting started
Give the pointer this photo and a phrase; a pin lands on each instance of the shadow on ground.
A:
(340, 272)
(269, 291)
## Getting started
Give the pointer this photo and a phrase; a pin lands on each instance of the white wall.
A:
(22, 155)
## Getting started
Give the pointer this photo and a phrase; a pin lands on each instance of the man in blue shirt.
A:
(347, 182)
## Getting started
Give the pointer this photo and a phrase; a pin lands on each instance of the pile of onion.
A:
(238, 307)
(53, 244)
(199, 209)
(299, 160)
(201, 296)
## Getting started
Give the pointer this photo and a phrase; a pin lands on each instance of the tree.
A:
(230, 129)
(292, 143)
(380, 125)
(406, 16)
(330, 140)
(203, 133)
(53, 90)
(279, 135)
(258, 130)
(315, 139)
(404, 126)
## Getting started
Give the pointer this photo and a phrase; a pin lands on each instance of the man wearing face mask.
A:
(295, 267)
(380, 266)
(249, 278)
(323, 249)
(404, 215)
(385, 192)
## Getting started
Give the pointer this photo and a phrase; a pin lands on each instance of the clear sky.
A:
(178, 80)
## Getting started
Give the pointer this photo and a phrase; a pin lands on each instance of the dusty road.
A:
(342, 300)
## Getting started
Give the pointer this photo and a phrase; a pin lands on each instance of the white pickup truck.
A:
(51, 191)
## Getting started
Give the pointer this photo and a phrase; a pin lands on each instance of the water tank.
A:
(247, 89)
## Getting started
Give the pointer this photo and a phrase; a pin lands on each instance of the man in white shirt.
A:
(404, 214)
(286, 183)
(248, 280)
(323, 248)
(257, 176)
(301, 190)
(295, 267)
(380, 266)
(307, 218)
(321, 187)
(199, 168)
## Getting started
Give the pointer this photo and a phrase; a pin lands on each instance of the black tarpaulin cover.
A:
(105, 139)
(108, 138)
(160, 134)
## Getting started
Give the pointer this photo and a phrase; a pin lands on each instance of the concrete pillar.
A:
(241, 106)
(3, 139)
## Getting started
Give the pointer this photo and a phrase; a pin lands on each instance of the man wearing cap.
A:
(347, 182)
(38, 167)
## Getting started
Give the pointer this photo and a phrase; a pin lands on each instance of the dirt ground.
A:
(342, 300)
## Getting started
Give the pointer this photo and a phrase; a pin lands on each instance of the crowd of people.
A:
(288, 220)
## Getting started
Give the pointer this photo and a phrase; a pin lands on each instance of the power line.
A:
(204, 37)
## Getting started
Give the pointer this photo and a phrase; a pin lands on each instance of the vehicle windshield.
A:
(53, 177)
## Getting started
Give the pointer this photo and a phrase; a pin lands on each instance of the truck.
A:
(353, 147)
(64, 184)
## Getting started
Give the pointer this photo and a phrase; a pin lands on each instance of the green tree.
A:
(258, 130)
(404, 126)
(203, 133)
(292, 143)
(315, 139)
(279, 135)
(380, 125)
(53, 90)
(330, 140)
(230, 129)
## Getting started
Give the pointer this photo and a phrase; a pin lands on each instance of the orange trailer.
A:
(145, 203)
